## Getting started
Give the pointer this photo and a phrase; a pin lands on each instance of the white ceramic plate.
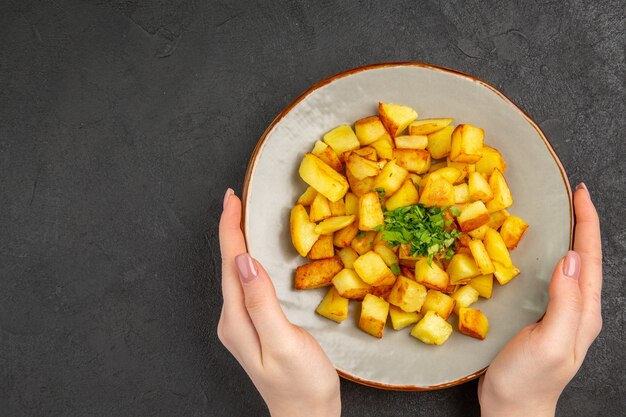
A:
(534, 173)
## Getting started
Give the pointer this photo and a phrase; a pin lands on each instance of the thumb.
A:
(261, 302)
(560, 323)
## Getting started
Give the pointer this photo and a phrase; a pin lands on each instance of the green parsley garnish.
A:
(360, 235)
(423, 229)
(395, 269)
(380, 191)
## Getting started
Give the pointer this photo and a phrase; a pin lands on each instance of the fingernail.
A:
(229, 192)
(582, 186)
(246, 268)
(571, 265)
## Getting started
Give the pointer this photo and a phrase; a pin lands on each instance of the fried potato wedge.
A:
(317, 274)
(395, 117)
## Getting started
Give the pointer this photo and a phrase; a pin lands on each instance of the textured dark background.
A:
(122, 122)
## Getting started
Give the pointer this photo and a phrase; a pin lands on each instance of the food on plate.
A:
(409, 218)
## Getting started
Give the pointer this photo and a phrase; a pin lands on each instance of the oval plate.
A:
(535, 175)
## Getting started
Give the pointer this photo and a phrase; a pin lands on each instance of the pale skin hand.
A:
(285, 363)
(296, 378)
(529, 374)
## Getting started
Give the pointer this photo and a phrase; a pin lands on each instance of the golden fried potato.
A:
(317, 273)
(323, 178)
(473, 323)
(303, 235)
(467, 144)
(432, 329)
(333, 306)
(395, 117)
(374, 311)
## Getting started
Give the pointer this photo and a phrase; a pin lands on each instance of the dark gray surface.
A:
(123, 122)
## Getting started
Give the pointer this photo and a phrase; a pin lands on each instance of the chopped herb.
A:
(360, 235)
(395, 269)
(423, 229)
(455, 211)
(378, 228)
(380, 191)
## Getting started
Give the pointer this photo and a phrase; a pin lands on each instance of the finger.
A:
(236, 328)
(560, 323)
(588, 244)
(262, 304)
(232, 244)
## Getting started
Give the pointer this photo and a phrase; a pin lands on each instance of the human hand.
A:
(529, 374)
(285, 363)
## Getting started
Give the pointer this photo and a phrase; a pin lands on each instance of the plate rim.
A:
(261, 143)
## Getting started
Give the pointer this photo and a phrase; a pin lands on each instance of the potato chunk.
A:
(427, 126)
(502, 197)
(497, 250)
(411, 142)
(407, 294)
(347, 256)
(391, 177)
(349, 285)
(323, 248)
(490, 160)
(361, 167)
(407, 195)
(473, 216)
(359, 187)
(464, 296)
(505, 273)
(374, 311)
(303, 235)
(473, 323)
(342, 139)
(328, 155)
(323, 178)
(369, 130)
(388, 256)
(461, 194)
(431, 276)
(450, 174)
(320, 209)
(438, 302)
(512, 231)
(396, 117)
(432, 329)
(370, 211)
(351, 204)
(483, 284)
(373, 270)
(344, 237)
(401, 319)
(333, 306)
(467, 144)
(461, 166)
(333, 224)
(317, 273)
(440, 142)
(363, 242)
(414, 160)
(479, 188)
(307, 197)
(481, 257)
(479, 233)
(384, 147)
(497, 218)
(337, 208)
(437, 192)
(462, 268)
